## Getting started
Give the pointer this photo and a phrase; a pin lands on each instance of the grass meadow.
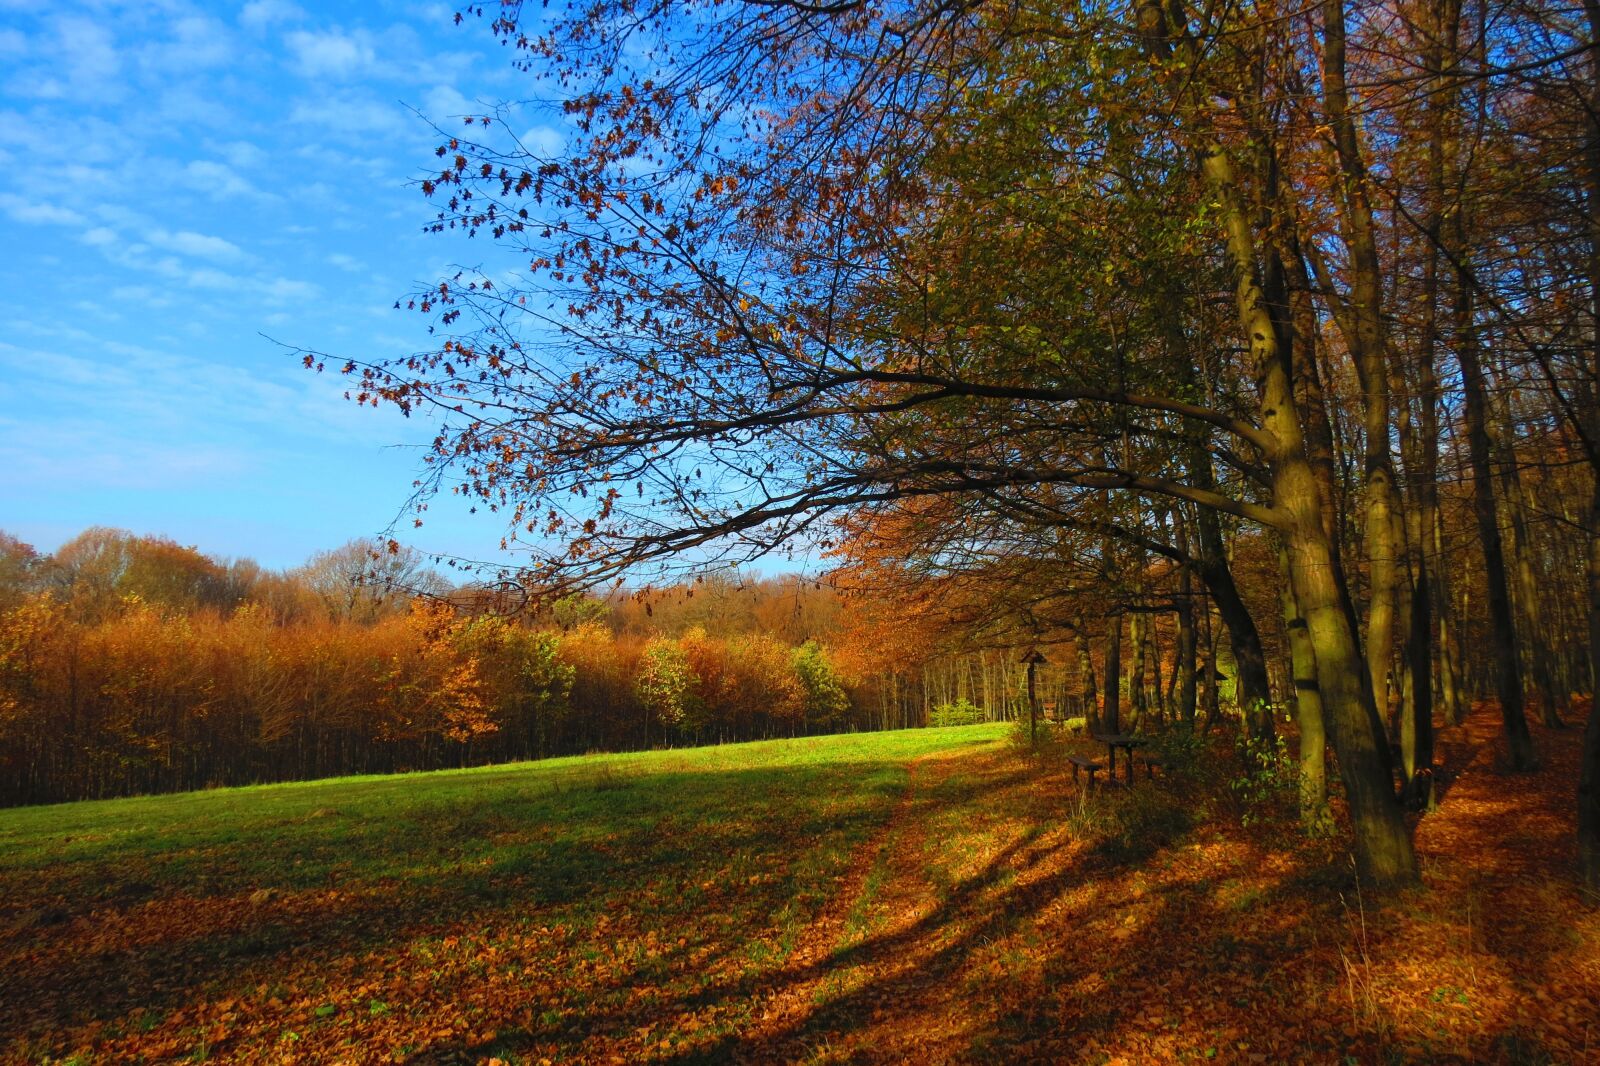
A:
(920, 896)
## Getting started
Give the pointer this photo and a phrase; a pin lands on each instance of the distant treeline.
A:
(133, 665)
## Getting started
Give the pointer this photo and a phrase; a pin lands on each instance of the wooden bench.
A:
(1153, 761)
(1080, 762)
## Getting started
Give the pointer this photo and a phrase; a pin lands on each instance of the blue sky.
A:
(179, 179)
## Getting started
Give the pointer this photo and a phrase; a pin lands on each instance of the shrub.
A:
(962, 712)
(666, 685)
(1268, 781)
(1049, 743)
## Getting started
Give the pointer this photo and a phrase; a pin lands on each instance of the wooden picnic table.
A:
(1127, 741)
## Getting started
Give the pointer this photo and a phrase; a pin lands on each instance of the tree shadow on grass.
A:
(137, 955)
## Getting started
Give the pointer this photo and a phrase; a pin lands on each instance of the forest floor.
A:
(919, 896)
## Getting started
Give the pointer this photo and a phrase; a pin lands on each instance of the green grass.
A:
(664, 870)
(546, 820)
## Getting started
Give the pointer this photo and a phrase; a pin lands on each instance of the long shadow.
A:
(598, 1023)
(989, 912)
(60, 976)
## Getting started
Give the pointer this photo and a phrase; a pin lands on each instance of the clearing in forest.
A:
(925, 895)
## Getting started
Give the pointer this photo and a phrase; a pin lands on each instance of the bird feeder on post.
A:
(1031, 658)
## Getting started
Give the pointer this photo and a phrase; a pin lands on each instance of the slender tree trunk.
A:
(1110, 718)
(1589, 775)
(1186, 642)
(1422, 516)
(1138, 633)
(1589, 772)
(1507, 667)
(1450, 697)
(1086, 683)
(1211, 564)
(1518, 549)
(1417, 739)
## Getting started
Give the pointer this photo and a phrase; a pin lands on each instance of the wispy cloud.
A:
(78, 60)
(194, 42)
(219, 181)
(199, 245)
(38, 214)
(259, 15)
(349, 113)
(332, 53)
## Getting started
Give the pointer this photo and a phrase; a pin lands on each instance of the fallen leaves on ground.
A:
(986, 910)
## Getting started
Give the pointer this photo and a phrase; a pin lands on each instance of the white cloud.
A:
(346, 262)
(287, 290)
(243, 155)
(348, 114)
(208, 278)
(260, 14)
(99, 237)
(332, 54)
(194, 105)
(219, 181)
(38, 214)
(195, 43)
(444, 102)
(142, 295)
(543, 141)
(198, 245)
(86, 54)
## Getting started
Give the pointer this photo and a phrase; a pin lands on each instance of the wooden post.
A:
(1032, 659)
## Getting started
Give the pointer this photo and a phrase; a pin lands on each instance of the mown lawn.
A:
(924, 896)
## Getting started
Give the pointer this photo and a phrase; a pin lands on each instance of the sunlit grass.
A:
(574, 882)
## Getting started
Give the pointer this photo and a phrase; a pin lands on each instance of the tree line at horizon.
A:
(133, 664)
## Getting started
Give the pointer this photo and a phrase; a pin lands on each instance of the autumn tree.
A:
(782, 312)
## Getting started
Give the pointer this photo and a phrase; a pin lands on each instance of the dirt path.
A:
(1500, 855)
(886, 977)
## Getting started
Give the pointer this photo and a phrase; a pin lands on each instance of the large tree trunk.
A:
(1314, 813)
(1383, 848)
(1364, 334)
(1312, 404)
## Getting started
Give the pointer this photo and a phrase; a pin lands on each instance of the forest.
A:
(1065, 320)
